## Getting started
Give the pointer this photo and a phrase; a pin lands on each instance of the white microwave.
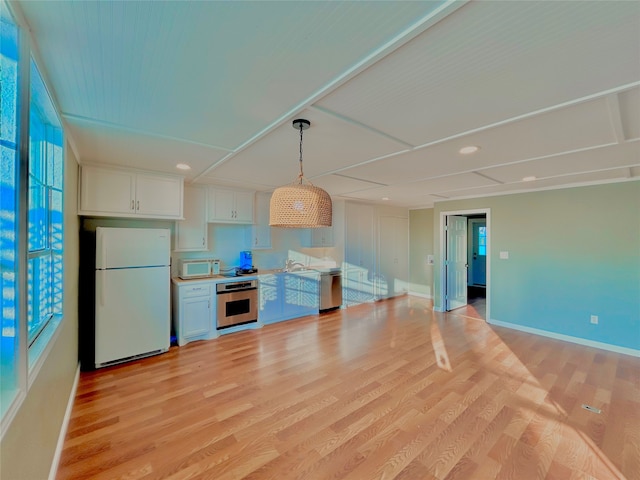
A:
(195, 269)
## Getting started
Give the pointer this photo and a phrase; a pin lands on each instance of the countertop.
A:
(214, 278)
(253, 276)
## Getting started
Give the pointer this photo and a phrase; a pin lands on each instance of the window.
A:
(482, 241)
(9, 345)
(45, 209)
(31, 219)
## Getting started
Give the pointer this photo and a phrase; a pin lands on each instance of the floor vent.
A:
(591, 409)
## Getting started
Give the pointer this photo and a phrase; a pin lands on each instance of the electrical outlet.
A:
(594, 319)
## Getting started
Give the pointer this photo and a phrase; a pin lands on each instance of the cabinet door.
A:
(158, 196)
(105, 191)
(261, 229)
(196, 316)
(243, 208)
(270, 301)
(318, 237)
(310, 293)
(191, 233)
(325, 236)
(292, 304)
(221, 205)
(301, 293)
(359, 274)
(392, 279)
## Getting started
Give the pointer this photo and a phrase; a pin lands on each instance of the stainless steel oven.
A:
(237, 303)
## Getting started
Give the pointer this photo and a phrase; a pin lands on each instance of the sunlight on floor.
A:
(538, 415)
(442, 359)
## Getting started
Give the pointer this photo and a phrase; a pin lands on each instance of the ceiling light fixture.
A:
(183, 166)
(530, 178)
(469, 149)
(300, 205)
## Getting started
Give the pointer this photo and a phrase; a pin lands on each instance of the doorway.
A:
(465, 265)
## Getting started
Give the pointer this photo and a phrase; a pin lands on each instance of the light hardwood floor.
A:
(389, 390)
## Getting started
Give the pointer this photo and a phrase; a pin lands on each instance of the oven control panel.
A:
(235, 286)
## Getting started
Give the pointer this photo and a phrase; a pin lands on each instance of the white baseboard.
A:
(567, 338)
(421, 295)
(63, 429)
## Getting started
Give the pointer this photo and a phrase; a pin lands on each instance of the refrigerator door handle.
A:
(102, 294)
(103, 254)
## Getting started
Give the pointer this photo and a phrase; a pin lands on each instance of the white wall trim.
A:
(65, 424)
(421, 295)
(567, 338)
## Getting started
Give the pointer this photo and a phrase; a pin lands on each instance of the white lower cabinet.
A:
(269, 299)
(284, 296)
(193, 311)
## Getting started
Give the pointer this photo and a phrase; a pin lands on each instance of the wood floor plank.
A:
(390, 390)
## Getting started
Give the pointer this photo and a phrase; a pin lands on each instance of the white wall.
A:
(28, 447)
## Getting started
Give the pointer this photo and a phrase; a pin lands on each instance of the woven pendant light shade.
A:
(300, 205)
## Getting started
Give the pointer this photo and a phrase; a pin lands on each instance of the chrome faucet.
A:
(290, 265)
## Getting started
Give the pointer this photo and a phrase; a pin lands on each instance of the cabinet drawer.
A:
(195, 291)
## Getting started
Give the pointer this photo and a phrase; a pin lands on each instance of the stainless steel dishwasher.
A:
(330, 289)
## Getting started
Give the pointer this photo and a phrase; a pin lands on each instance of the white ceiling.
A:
(392, 89)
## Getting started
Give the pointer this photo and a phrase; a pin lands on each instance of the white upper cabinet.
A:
(230, 206)
(191, 233)
(318, 237)
(114, 192)
(261, 229)
(159, 196)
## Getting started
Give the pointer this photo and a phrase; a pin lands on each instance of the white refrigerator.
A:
(133, 281)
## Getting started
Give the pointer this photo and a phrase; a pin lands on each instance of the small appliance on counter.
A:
(215, 266)
(199, 268)
(246, 263)
(195, 268)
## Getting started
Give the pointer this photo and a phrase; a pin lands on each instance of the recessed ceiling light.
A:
(385, 198)
(530, 178)
(469, 149)
(183, 166)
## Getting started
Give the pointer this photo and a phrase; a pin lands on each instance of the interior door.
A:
(456, 262)
(478, 270)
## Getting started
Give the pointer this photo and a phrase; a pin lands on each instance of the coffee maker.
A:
(246, 262)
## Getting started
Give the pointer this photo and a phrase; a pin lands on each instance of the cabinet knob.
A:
(133, 205)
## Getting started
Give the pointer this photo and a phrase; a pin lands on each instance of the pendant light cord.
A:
(301, 174)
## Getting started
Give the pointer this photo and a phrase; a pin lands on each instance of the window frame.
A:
(29, 357)
(43, 177)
